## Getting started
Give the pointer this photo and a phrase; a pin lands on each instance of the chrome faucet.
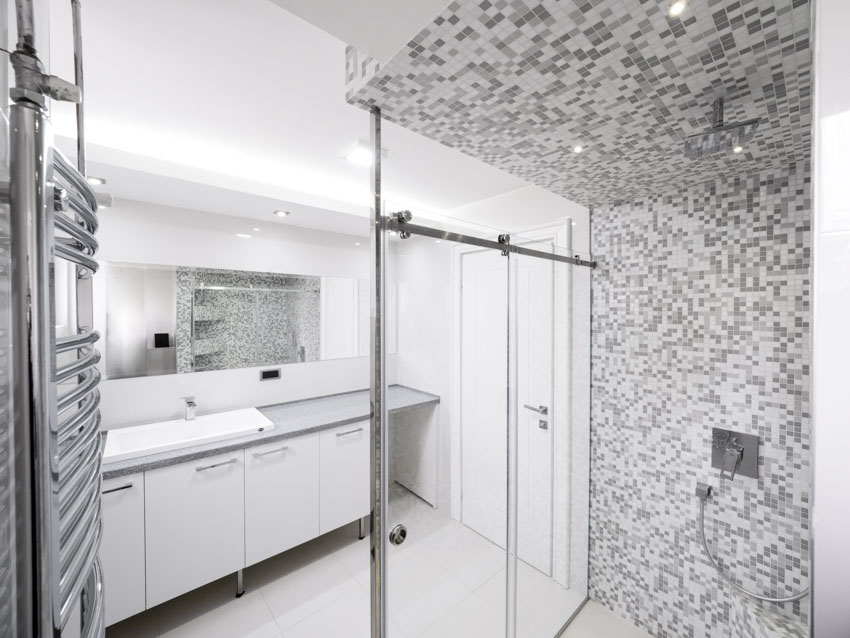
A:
(191, 404)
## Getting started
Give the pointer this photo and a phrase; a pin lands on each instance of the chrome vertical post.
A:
(377, 385)
(77, 22)
(32, 344)
(512, 449)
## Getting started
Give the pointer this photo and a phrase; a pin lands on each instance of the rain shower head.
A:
(720, 137)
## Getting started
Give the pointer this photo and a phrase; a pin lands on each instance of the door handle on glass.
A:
(201, 468)
(540, 409)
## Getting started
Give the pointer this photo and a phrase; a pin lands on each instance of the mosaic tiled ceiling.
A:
(520, 83)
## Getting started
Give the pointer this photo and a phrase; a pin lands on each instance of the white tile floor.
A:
(445, 581)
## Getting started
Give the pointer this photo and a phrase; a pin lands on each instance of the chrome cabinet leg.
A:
(240, 586)
(364, 525)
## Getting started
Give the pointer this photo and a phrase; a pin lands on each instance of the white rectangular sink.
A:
(141, 440)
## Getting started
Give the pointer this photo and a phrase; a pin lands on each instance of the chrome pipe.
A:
(377, 383)
(394, 224)
(84, 238)
(79, 205)
(512, 460)
(77, 180)
(77, 26)
(73, 541)
(93, 601)
(88, 437)
(74, 368)
(91, 378)
(72, 583)
(33, 337)
(72, 511)
(69, 483)
(26, 25)
(89, 408)
(76, 256)
(76, 342)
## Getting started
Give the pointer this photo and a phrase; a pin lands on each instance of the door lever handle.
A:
(540, 409)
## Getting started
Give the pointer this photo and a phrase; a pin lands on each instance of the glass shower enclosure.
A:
(479, 498)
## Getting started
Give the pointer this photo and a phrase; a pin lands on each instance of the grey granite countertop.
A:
(291, 419)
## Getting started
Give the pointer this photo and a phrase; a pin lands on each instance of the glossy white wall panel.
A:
(832, 399)
(831, 326)
(146, 399)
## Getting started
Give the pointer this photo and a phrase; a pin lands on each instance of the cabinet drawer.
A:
(194, 524)
(122, 548)
(344, 484)
(281, 496)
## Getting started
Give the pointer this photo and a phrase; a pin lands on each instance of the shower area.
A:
(485, 521)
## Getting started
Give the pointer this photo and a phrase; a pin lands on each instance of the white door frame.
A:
(559, 234)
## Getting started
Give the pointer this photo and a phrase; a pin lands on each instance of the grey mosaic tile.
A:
(701, 318)
(519, 83)
(245, 319)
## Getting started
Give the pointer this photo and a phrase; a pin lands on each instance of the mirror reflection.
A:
(176, 319)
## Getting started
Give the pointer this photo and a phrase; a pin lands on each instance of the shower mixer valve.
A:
(734, 453)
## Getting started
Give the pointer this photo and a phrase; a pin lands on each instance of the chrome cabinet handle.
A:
(349, 432)
(118, 489)
(280, 449)
(540, 409)
(201, 468)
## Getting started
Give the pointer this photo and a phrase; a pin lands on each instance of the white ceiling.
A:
(241, 97)
(379, 28)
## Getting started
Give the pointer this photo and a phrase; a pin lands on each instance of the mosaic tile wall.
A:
(519, 83)
(701, 318)
(245, 319)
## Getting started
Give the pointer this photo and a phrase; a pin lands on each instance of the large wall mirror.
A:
(172, 319)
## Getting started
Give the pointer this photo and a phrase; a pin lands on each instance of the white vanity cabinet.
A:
(344, 482)
(281, 496)
(194, 524)
(122, 548)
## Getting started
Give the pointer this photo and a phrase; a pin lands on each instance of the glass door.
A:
(480, 429)
(550, 314)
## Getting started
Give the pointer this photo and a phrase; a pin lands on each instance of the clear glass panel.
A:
(550, 312)
(448, 460)
(495, 339)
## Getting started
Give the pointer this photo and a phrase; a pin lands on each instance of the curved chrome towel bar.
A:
(703, 492)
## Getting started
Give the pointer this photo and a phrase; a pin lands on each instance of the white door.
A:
(483, 393)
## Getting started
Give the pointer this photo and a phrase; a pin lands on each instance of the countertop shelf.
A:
(291, 419)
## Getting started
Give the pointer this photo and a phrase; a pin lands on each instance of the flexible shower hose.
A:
(706, 492)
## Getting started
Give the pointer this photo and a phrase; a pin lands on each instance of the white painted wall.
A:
(427, 300)
(831, 337)
(424, 275)
(145, 233)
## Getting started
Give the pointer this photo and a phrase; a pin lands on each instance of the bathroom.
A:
(506, 318)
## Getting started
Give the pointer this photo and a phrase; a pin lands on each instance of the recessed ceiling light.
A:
(357, 243)
(256, 230)
(738, 149)
(578, 149)
(358, 153)
(436, 241)
(95, 181)
(281, 213)
(243, 236)
(677, 8)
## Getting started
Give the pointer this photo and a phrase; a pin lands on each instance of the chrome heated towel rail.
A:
(56, 398)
